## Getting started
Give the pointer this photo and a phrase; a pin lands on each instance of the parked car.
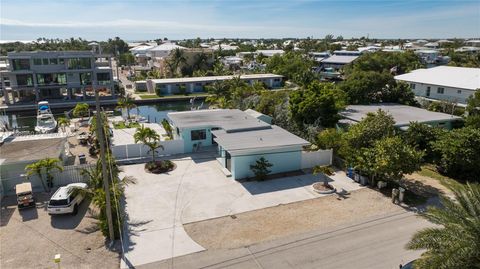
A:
(66, 200)
(24, 195)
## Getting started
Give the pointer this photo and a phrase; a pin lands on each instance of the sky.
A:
(149, 19)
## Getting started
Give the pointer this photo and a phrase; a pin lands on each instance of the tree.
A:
(389, 159)
(148, 137)
(176, 59)
(473, 110)
(456, 243)
(44, 166)
(261, 168)
(62, 122)
(373, 127)
(293, 66)
(422, 136)
(459, 153)
(331, 139)
(126, 103)
(317, 103)
(81, 110)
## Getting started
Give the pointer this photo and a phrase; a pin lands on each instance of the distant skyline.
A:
(149, 19)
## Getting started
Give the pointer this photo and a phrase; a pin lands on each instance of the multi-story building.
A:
(443, 83)
(56, 75)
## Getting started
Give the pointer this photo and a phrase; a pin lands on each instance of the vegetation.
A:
(261, 169)
(293, 66)
(63, 122)
(81, 110)
(455, 244)
(168, 128)
(380, 62)
(44, 167)
(126, 103)
(149, 138)
(123, 125)
(422, 136)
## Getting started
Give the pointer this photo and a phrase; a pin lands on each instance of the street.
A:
(373, 243)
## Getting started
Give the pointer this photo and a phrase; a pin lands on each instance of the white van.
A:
(65, 200)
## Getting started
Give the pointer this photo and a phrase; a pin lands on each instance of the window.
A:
(440, 90)
(21, 64)
(276, 79)
(199, 135)
(412, 85)
(79, 63)
(53, 61)
(37, 61)
(86, 78)
(45, 61)
(103, 78)
(61, 61)
(459, 91)
(25, 80)
(52, 79)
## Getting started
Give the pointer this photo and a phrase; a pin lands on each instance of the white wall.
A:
(313, 158)
(122, 152)
(450, 94)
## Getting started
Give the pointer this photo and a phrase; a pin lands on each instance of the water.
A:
(26, 120)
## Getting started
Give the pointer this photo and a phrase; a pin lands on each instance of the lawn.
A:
(429, 170)
(122, 125)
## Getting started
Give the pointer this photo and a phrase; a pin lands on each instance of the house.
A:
(473, 42)
(197, 84)
(56, 75)
(269, 53)
(443, 83)
(402, 115)
(319, 56)
(428, 56)
(432, 45)
(239, 138)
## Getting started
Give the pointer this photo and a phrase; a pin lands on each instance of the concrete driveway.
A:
(158, 205)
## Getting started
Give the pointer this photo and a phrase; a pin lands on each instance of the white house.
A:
(446, 83)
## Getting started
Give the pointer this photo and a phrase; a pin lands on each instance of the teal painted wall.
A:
(186, 136)
(282, 162)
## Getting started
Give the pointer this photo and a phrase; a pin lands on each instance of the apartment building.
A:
(56, 76)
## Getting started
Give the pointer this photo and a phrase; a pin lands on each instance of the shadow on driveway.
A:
(280, 184)
(69, 221)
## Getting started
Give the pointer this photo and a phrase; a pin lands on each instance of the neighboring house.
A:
(337, 62)
(473, 42)
(259, 116)
(197, 84)
(240, 138)
(468, 49)
(269, 53)
(161, 52)
(443, 83)
(140, 54)
(56, 75)
(428, 56)
(319, 56)
(402, 115)
(432, 45)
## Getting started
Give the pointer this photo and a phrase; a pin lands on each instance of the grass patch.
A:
(154, 96)
(122, 125)
(148, 96)
(429, 170)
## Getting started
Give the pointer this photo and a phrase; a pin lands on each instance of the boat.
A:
(46, 123)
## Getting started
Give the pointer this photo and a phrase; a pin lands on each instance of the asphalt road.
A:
(372, 243)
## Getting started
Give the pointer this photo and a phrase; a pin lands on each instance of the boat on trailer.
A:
(46, 123)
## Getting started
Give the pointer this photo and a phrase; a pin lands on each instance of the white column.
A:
(192, 87)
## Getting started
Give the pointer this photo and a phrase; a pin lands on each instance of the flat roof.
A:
(230, 120)
(339, 59)
(212, 78)
(402, 114)
(448, 76)
(256, 140)
(31, 150)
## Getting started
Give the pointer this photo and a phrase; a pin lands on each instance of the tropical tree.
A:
(126, 103)
(148, 137)
(456, 242)
(81, 110)
(325, 171)
(176, 59)
(62, 122)
(44, 166)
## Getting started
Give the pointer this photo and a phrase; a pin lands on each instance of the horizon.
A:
(149, 20)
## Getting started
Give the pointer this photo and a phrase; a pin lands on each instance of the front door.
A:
(428, 92)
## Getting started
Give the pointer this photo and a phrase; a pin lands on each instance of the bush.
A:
(260, 168)
(158, 167)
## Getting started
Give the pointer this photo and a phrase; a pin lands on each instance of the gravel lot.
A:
(283, 220)
(31, 238)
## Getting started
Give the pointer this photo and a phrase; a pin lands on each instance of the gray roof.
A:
(402, 114)
(212, 78)
(31, 150)
(339, 59)
(273, 138)
(230, 120)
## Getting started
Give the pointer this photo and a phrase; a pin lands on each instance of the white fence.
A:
(137, 151)
(313, 158)
(70, 174)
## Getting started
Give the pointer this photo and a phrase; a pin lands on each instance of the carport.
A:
(239, 150)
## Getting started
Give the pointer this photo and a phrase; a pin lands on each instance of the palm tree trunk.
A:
(43, 183)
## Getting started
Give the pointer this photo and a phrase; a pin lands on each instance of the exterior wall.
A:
(137, 151)
(189, 145)
(282, 162)
(313, 158)
(450, 94)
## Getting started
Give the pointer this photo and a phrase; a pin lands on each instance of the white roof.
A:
(448, 76)
(212, 78)
(269, 52)
(230, 120)
(339, 59)
(166, 47)
(402, 114)
(273, 138)
(141, 48)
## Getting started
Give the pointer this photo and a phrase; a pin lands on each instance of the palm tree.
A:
(148, 137)
(126, 103)
(62, 122)
(46, 165)
(456, 244)
(177, 58)
(201, 61)
(325, 171)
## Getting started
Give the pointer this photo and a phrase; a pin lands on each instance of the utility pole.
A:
(101, 140)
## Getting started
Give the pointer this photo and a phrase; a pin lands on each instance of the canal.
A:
(26, 120)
